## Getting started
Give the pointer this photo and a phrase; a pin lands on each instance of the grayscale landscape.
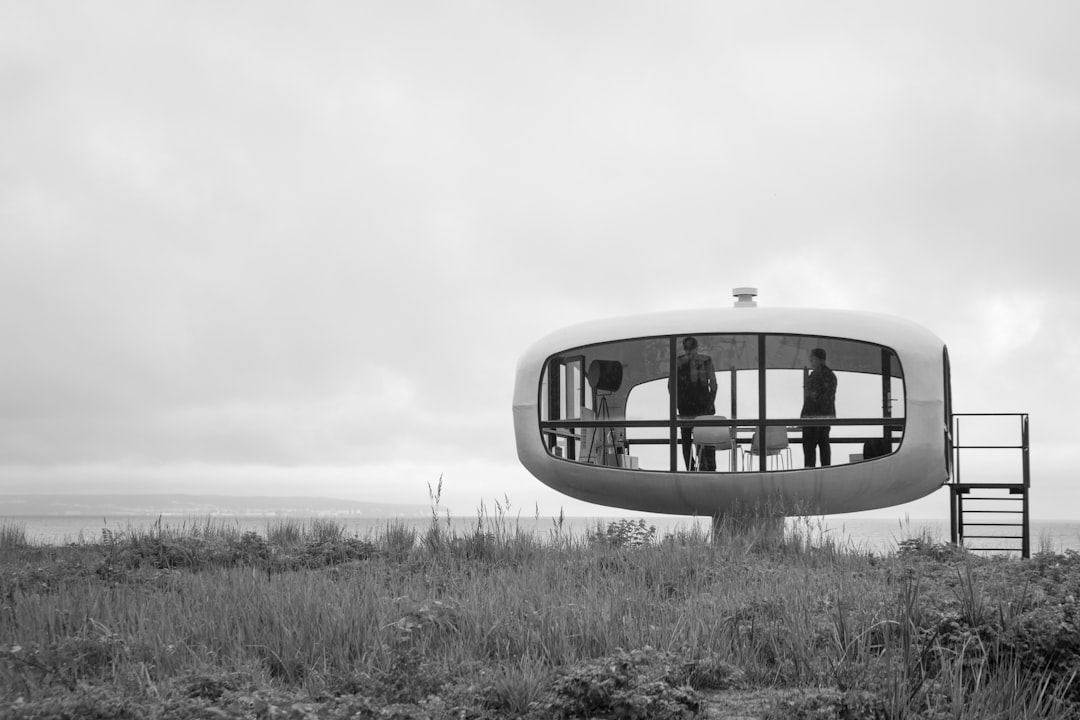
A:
(270, 273)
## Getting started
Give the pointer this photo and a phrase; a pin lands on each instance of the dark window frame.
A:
(549, 429)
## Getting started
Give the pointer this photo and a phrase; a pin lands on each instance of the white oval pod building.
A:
(600, 415)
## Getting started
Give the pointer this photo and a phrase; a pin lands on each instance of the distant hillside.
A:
(24, 505)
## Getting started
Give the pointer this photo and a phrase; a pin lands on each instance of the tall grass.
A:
(12, 536)
(403, 614)
(12, 540)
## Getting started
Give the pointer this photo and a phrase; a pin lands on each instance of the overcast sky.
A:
(297, 248)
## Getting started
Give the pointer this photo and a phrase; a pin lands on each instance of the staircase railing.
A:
(987, 511)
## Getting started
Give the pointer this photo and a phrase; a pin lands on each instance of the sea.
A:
(875, 535)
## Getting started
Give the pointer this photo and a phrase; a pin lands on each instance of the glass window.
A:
(734, 362)
(816, 400)
(650, 445)
(858, 383)
(590, 386)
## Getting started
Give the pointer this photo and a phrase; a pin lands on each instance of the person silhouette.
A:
(695, 395)
(819, 400)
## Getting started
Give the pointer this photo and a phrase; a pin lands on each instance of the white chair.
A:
(712, 436)
(776, 449)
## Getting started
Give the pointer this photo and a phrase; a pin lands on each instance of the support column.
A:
(748, 526)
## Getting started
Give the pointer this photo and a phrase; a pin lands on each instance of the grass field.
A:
(304, 621)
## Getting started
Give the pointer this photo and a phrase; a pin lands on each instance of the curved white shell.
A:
(917, 468)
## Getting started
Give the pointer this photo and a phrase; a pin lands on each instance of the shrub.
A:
(625, 533)
(926, 546)
(640, 684)
(830, 705)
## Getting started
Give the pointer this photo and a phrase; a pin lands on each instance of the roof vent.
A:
(745, 297)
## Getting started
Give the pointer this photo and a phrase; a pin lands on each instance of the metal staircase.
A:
(994, 513)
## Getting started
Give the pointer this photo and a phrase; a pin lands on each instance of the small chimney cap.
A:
(745, 296)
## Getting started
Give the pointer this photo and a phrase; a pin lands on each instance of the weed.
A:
(624, 533)
(830, 705)
(516, 688)
(924, 545)
(635, 684)
(13, 536)
(973, 605)
(398, 540)
(285, 533)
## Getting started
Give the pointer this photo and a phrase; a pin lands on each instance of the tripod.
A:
(607, 437)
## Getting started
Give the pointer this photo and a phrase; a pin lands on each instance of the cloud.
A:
(1011, 322)
(274, 236)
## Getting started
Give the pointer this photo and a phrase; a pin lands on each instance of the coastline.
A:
(872, 534)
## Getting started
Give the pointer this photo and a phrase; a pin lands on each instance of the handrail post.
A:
(1025, 440)
(956, 447)
(953, 499)
(1025, 532)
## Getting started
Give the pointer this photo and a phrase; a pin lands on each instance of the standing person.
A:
(695, 394)
(819, 400)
